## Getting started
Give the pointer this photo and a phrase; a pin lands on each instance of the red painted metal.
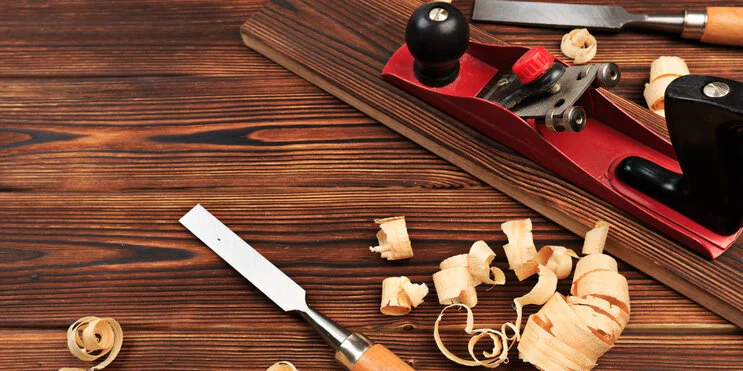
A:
(587, 158)
(533, 64)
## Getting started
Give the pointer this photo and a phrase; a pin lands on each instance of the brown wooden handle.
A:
(379, 358)
(724, 26)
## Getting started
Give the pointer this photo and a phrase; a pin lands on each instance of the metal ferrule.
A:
(331, 332)
(694, 22)
(348, 347)
(352, 349)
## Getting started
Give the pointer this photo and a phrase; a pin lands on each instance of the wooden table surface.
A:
(117, 117)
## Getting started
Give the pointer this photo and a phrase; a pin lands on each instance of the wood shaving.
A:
(479, 259)
(394, 242)
(566, 333)
(90, 338)
(591, 263)
(558, 259)
(596, 238)
(567, 326)
(501, 342)
(573, 333)
(454, 286)
(461, 260)
(520, 250)
(662, 72)
(668, 66)
(399, 295)
(602, 306)
(455, 282)
(579, 45)
(416, 292)
(539, 347)
(542, 291)
(605, 284)
(282, 366)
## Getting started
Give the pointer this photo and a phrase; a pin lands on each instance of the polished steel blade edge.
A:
(265, 276)
(595, 17)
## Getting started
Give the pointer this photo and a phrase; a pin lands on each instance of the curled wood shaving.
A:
(461, 260)
(567, 326)
(603, 306)
(542, 291)
(579, 45)
(454, 286)
(538, 343)
(566, 333)
(600, 323)
(590, 263)
(662, 71)
(501, 342)
(573, 333)
(394, 300)
(596, 238)
(415, 292)
(558, 259)
(455, 282)
(282, 366)
(499, 277)
(479, 259)
(605, 284)
(394, 242)
(668, 66)
(520, 250)
(90, 338)
(399, 295)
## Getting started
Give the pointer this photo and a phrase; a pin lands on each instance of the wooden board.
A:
(342, 47)
(123, 255)
(116, 117)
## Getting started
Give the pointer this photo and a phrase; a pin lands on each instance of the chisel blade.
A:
(594, 17)
(286, 293)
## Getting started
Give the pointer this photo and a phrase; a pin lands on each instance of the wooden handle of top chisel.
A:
(379, 358)
(724, 26)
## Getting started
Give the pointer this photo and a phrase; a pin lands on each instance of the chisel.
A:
(354, 351)
(716, 25)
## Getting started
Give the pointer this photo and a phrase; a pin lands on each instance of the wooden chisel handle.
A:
(358, 353)
(724, 26)
(379, 358)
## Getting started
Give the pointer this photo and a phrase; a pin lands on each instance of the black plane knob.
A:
(437, 35)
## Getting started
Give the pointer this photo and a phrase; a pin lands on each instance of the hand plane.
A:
(690, 188)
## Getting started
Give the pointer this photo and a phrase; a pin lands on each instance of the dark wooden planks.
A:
(68, 38)
(160, 132)
(187, 350)
(102, 249)
(182, 308)
(318, 40)
(112, 72)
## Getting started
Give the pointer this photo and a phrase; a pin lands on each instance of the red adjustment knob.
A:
(533, 64)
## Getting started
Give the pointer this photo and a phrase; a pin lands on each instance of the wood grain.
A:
(127, 240)
(724, 25)
(316, 41)
(180, 305)
(117, 117)
(228, 350)
(379, 358)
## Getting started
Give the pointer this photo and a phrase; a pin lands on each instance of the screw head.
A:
(716, 89)
(438, 14)
(575, 117)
